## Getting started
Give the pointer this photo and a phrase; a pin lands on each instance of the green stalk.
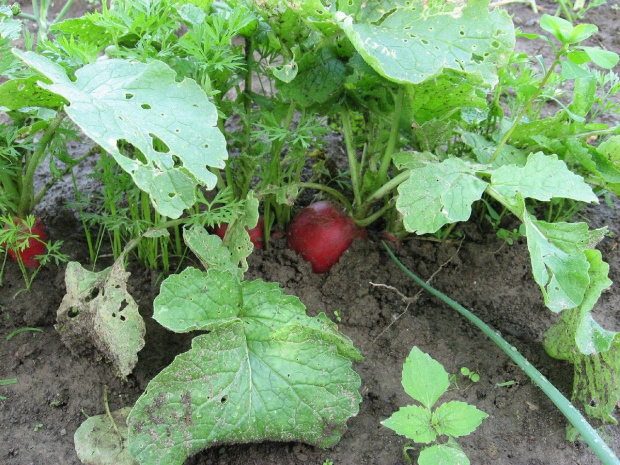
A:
(26, 200)
(347, 132)
(527, 105)
(386, 161)
(39, 195)
(379, 194)
(333, 192)
(588, 433)
(63, 12)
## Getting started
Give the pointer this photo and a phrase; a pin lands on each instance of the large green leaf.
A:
(171, 124)
(320, 77)
(438, 194)
(542, 178)
(266, 371)
(559, 263)
(417, 40)
(596, 384)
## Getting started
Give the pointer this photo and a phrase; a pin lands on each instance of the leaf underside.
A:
(170, 124)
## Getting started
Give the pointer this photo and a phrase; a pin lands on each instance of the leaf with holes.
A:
(171, 125)
(418, 40)
(265, 371)
(98, 317)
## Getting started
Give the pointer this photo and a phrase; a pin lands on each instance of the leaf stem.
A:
(389, 150)
(527, 105)
(26, 200)
(333, 192)
(347, 132)
(589, 434)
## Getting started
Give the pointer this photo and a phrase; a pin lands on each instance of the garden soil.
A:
(377, 306)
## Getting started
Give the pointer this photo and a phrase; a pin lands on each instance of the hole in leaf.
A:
(73, 312)
(21, 87)
(425, 42)
(93, 295)
(145, 106)
(224, 399)
(206, 146)
(124, 304)
(123, 318)
(128, 96)
(171, 195)
(158, 144)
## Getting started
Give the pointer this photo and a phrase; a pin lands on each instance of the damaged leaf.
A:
(98, 315)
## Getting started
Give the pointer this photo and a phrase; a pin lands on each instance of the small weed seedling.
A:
(426, 380)
(472, 375)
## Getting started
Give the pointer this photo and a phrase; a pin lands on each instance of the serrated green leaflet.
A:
(424, 379)
(172, 124)
(559, 263)
(98, 312)
(457, 418)
(266, 371)
(542, 178)
(237, 238)
(442, 454)
(417, 42)
(412, 421)
(438, 194)
(98, 443)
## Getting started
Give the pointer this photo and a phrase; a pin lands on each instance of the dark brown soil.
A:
(57, 391)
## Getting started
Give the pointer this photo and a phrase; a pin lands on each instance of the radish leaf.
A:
(542, 178)
(559, 264)
(170, 123)
(438, 194)
(410, 44)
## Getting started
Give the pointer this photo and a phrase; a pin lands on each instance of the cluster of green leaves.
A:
(447, 117)
(425, 380)
(261, 370)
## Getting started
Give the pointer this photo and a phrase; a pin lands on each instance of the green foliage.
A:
(117, 101)
(15, 236)
(265, 370)
(425, 380)
(406, 82)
